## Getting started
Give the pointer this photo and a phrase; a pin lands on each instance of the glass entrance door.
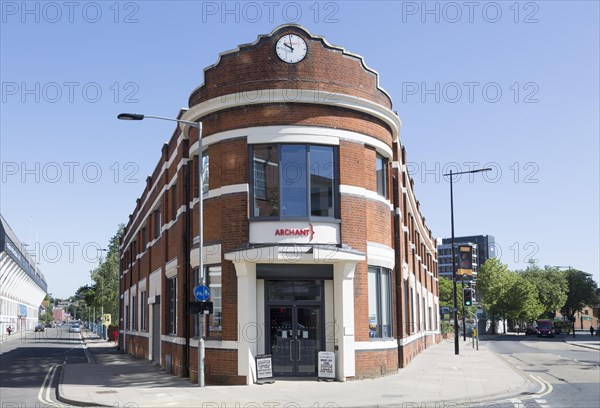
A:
(295, 338)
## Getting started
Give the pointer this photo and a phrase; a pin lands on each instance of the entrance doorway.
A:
(295, 326)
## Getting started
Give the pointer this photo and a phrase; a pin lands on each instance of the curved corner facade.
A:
(312, 240)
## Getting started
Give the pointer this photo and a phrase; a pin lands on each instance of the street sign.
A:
(201, 292)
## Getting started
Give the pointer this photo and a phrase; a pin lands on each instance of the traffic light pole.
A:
(462, 282)
(456, 348)
(451, 174)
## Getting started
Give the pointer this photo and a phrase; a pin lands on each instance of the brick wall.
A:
(375, 363)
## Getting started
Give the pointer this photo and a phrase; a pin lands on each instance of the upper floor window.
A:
(157, 222)
(381, 174)
(293, 180)
(196, 176)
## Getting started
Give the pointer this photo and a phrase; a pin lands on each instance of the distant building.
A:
(59, 315)
(23, 286)
(483, 249)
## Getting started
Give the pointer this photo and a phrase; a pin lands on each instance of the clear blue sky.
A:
(512, 86)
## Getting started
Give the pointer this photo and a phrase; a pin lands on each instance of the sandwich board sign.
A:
(264, 369)
(326, 365)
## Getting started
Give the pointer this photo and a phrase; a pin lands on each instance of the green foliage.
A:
(550, 285)
(493, 283)
(105, 292)
(581, 291)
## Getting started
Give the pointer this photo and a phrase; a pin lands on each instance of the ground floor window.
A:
(212, 278)
(380, 302)
(143, 306)
(172, 306)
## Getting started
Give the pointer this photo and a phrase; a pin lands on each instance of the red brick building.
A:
(313, 239)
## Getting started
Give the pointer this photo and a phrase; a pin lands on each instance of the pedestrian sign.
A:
(202, 292)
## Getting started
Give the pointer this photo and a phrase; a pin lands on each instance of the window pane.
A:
(381, 168)
(374, 328)
(294, 188)
(322, 176)
(214, 283)
(386, 320)
(205, 172)
(266, 181)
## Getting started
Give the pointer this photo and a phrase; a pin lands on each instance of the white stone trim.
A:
(376, 345)
(137, 333)
(416, 336)
(293, 134)
(171, 268)
(172, 339)
(304, 96)
(215, 344)
(211, 254)
(363, 192)
(380, 255)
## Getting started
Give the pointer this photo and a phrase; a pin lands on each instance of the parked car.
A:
(75, 328)
(39, 328)
(545, 328)
(530, 330)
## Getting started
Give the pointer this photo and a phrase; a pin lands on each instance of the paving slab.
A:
(435, 376)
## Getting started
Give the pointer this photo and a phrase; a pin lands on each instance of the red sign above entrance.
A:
(296, 232)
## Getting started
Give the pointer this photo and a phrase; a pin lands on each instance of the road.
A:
(568, 375)
(30, 365)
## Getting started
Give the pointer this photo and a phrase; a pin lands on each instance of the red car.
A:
(545, 328)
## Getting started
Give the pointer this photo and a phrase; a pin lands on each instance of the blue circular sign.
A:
(202, 292)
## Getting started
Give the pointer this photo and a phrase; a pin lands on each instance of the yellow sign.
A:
(465, 260)
(106, 319)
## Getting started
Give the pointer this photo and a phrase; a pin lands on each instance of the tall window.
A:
(174, 202)
(380, 302)
(134, 313)
(143, 306)
(407, 306)
(205, 172)
(144, 238)
(127, 322)
(381, 174)
(157, 222)
(172, 306)
(294, 181)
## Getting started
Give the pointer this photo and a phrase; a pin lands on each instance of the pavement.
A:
(435, 377)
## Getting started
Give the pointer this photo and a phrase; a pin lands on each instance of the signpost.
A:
(202, 293)
(264, 369)
(326, 365)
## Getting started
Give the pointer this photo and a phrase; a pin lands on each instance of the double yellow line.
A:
(44, 395)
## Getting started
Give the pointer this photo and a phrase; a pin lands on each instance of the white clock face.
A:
(291, 48)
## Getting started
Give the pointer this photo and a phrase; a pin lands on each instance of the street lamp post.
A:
(570, 311)
(197, 125)
(452, 174)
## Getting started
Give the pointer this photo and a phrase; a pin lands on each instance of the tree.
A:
(106, 278)
(493, 283)
(521, 301)
(550, 285)
(581, 292)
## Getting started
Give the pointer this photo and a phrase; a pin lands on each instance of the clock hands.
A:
(290, 44)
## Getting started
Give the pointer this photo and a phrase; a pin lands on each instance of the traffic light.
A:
(467, 297)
